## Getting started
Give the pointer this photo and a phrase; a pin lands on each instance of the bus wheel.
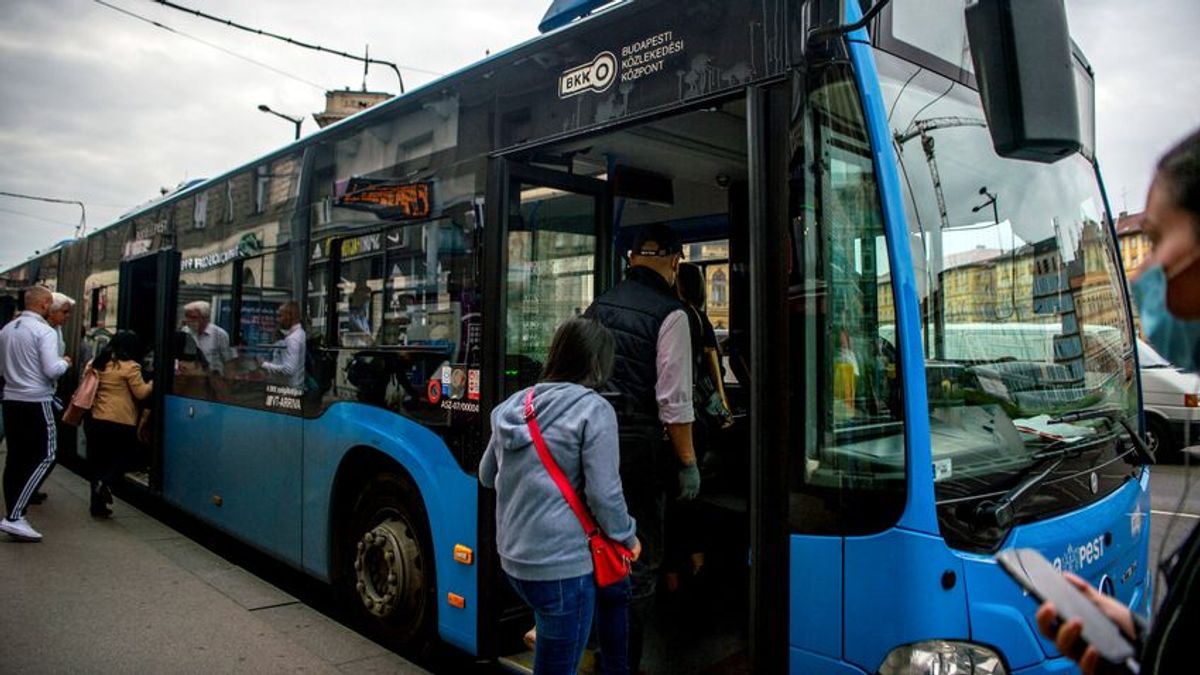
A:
(1158, 438)
(392, 577)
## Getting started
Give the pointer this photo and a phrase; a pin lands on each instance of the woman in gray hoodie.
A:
(543, 548)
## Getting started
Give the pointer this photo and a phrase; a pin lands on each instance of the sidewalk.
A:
(130, 595)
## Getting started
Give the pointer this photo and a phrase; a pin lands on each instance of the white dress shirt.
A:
(288, 359)
(673, 388)
(213, 342)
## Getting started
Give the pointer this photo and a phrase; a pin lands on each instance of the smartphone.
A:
(1045, 583)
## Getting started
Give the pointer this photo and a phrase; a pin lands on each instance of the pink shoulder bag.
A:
(83, 398)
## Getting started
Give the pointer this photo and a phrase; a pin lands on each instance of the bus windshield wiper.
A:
(1000, 513)
(1144, 454)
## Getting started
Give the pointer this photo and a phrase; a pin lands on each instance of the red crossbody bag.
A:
(610, 559)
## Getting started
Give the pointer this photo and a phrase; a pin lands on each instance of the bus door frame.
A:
(768, 109)
(163, 267)
(505, 174)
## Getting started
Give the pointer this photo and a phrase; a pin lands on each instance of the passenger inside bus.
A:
(688, 173)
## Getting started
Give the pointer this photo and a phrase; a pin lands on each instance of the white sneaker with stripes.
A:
(20, 529)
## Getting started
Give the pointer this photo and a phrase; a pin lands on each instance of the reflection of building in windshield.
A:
(1134, 246)
(978, 284)
(1132, 240)
(1033, 285)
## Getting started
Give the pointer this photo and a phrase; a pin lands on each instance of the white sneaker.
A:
(20, 529)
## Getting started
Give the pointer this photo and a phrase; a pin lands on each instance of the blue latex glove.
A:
(689, 481)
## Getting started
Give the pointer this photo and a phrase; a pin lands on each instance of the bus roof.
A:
(364, 116)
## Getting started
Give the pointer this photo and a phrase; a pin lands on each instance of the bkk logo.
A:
(595, 76)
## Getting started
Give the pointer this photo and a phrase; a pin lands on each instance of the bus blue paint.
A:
(894, 589)
(449, 496)
(250, 490)
(919, 512)
(289, 483)
(816, 581)
(801, 661)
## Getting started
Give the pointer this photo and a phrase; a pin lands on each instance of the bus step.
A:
(522, 662)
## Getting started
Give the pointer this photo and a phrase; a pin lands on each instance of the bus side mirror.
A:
(1026, 72)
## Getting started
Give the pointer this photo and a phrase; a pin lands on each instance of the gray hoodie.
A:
(538, 535)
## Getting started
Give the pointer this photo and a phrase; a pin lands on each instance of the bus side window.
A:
(264, 285)
(551, 254)
(203, 343)
(849, 440)
(360, 299)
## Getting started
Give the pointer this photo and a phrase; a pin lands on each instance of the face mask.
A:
(1176, 339)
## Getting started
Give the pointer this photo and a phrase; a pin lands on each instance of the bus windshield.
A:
(1022, 313)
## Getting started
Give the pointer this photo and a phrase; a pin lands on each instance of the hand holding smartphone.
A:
(1037, 576)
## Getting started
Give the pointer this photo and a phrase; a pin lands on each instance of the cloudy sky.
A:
(102, 107)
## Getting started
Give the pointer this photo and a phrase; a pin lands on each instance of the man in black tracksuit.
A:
(652, 373)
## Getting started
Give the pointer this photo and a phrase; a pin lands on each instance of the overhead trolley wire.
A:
(209, 44)
(366, 60)
(79, 229)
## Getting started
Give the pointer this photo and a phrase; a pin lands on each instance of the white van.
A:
(1171, 398)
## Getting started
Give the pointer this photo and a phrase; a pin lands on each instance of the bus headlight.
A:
(943, 657)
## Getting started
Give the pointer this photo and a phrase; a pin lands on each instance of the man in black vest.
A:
(652, 373)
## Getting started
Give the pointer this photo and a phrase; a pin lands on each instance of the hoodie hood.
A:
(551, 402)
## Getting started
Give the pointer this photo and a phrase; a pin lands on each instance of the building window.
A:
(720, 288)
(262, 180)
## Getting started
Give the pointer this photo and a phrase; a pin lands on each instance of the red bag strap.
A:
(585, 518)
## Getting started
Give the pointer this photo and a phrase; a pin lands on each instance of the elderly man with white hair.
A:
(211, 339)
(60, 310)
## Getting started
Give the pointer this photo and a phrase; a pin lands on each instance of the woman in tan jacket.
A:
(112, 427)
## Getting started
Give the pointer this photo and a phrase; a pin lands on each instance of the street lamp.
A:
(294, 120)
(991, 201)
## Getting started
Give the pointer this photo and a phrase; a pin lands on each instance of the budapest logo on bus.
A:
(596, 76)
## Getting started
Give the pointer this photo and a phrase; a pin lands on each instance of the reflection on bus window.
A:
(845, 386)
(407, 317)
(551, 259)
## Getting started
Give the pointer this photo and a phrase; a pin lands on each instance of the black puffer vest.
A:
(634, 310)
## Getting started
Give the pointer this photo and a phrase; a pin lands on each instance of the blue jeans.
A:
(613, 616)
(563, 610)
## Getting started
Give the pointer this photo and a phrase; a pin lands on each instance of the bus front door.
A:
(551, 230)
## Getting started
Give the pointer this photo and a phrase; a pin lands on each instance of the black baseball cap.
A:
(667, 241)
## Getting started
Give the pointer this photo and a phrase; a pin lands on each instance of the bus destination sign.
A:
(388, 199)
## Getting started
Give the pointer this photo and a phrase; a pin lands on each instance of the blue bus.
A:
(873, 195)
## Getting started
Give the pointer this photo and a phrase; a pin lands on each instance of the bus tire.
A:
(390, 579)
(1158, 438)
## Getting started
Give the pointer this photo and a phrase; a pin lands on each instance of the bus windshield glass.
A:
(1022, 314)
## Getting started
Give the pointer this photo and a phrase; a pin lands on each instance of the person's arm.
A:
(137, 386)
(601, 464)
(53, 365)
(712, 359)
(293, 360)
(673, 390)
(488, 466)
